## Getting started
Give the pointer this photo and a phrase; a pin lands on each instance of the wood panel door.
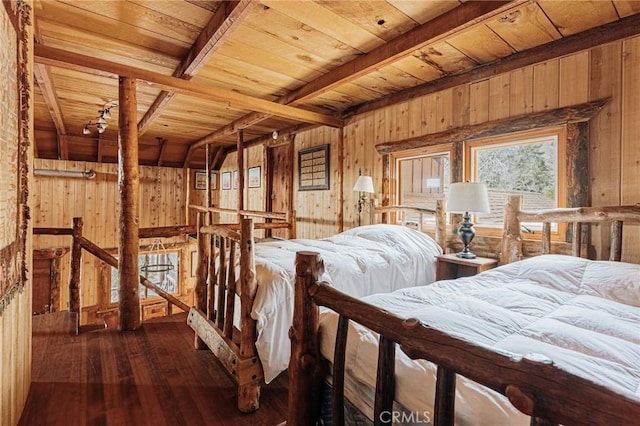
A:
(279, 192)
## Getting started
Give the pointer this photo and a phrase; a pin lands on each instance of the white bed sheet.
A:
(362, 261)
(584, 315)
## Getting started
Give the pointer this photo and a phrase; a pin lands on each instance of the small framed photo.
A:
(214, 180)
(254, 177)
(226, 180)
(235, 179)
(200, 181)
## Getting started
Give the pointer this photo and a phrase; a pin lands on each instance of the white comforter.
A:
(362, 261)
(584, 315)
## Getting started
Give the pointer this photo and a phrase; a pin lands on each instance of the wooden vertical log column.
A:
(441, 221)
(128, 182)
(305, 367)
(74, 274)
(240, 172)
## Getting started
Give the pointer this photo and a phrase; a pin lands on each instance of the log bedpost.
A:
(74, 274)
(305, 366)
(201, 273)
(615, 253)
(248, 382)
(128, 181)
(511, 236)
(441, 224)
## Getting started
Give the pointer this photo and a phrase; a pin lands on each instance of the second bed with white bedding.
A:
(362, 261)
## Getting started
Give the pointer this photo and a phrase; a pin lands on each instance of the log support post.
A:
(441, 221)
(128, 182)
(74, 274)
(305, 367)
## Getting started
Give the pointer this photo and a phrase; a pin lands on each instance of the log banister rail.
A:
(284, 220)
(532, 382)
(79, 242)
(514, 216)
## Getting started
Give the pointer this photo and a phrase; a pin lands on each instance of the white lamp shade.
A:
(364, 184)
(471, 197)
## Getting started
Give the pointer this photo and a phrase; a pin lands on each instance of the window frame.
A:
(396, 179)
(560, 132)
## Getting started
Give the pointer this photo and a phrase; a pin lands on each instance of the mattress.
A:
(582, 314)
(362, 261)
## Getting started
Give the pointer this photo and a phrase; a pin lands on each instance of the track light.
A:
(104, 114)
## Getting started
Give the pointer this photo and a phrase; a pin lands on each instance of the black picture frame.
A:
(313, 168)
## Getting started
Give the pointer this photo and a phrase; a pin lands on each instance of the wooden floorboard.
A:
(151, 376)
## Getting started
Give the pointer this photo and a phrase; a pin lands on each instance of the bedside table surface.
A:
(478, 261)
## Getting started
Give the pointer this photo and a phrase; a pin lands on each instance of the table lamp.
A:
(466, 198)
(363, 185)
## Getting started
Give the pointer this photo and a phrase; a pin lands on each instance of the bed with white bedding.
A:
(585, 315)
(361, 261)
(244, 288)
(553, 337)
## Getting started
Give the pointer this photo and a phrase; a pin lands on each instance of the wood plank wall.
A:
(254, 198)
(58, 199)
(606, 71)
(15, 321)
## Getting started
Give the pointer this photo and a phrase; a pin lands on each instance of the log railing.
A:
(80, 243)
(273, 220)
(514, 216)
(532, 383)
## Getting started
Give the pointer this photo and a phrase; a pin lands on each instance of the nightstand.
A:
(451, 267)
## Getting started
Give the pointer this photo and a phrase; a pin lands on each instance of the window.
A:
(526, 164)
(167, 280)
(422, 179)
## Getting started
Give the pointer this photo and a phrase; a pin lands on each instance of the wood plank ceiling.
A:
(210, 67)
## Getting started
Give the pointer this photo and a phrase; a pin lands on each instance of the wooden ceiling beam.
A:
(81, 63)
(617, 30)
(163, 147)
(45, 82)
(437, 29)
(223, 22)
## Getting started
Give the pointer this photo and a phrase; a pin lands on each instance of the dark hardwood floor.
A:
(152, 376)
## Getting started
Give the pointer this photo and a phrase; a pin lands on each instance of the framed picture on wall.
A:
(235, 179)
(226, 180)
(313, 168)
(214, 180)
(254, 177)
(200, 181)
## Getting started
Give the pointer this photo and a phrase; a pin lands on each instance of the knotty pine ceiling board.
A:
(417, 68)
(481, 44)
(626, 7)
(525, 27)
(446, 58)
(571, 17)
(72, 14)
(376, 17)
(317, 16)
(271, 30)
(148, 22)
(424, 11)
(297, 67)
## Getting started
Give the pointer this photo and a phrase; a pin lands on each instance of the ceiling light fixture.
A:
(101, 124)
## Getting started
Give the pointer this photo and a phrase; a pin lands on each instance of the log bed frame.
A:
(212, 318)
(532, 383)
